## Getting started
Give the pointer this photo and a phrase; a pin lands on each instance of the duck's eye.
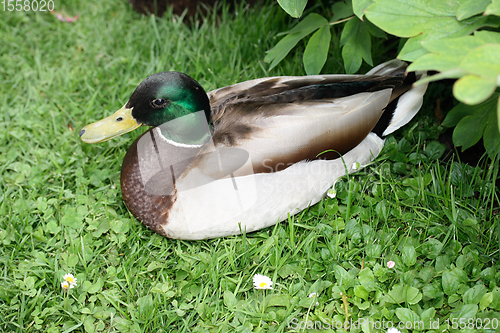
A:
(159, 102)
(119, 119)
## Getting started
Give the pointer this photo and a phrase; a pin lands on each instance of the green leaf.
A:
(289, 269)
(29, 282)
(53, 227)
(427, 315)
(203, 311)
(413, 296)
(316, 50)
(367, 279)
(343, 277)
(426, 273)
(359, 7)
(465, 312)
(154, 265)
(97, 286)
(442, 263)
(432, 291)
(487, 37)
(498, 113)
(456, 114)
(473, 59)
(294, 8)
(319, 286)
(341, 10)
(307, 302)
(310, 23)
(450, 283)
(447, 54)
(305, 27)
(488, 274)
(404, 294)
(72, 260)
(432, 248)
(407, 315)
(474, 294)
(362, 305)
(450, 74)
(116, 225)
(361, 292)
(413, 49)
(483, 61)
(409, 255)
(103, 228)
(471, 128)
(485, 301)
(493, 8)
(374, 30)
(472, 89)
(41, 204)
(414, 18)
(332, 209)
(284, 46)
(356, 43)
(88, 324)
(452, 280)
(229, 299)
(471, 7)
(338, 224)
(434, 150)
(491, 136)
(495, 303)
(373, 250)
(408, 18)
(73, 217)
(145, 305)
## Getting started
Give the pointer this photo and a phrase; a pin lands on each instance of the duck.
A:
(247, 156)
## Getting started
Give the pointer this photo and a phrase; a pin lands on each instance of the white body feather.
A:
(251, 207)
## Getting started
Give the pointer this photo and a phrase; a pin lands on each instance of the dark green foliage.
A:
(438, 39)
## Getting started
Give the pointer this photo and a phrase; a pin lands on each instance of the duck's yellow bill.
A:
(119, 123)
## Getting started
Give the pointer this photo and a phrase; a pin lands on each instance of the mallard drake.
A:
(244, 157)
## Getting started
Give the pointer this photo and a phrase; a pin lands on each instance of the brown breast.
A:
(148, 175)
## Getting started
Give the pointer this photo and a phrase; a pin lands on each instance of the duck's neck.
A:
(191, 129)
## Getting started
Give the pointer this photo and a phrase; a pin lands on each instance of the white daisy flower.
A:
(393, 330)
(391, 264)
(356, 166)
(66, 285)
(69, 278)
(331, 193)
(311, 295)
(262, 282)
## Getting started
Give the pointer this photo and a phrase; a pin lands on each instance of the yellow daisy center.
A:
(263, 284)
(70, 279)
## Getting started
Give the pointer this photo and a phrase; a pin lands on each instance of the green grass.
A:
(62, 212)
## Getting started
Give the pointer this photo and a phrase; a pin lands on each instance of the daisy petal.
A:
(71, 279)
(262, 282)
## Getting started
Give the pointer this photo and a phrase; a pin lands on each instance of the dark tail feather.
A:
(407, 101)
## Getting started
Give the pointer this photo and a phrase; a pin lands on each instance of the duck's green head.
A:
(160, 98)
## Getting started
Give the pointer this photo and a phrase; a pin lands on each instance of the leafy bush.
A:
(440, 36)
